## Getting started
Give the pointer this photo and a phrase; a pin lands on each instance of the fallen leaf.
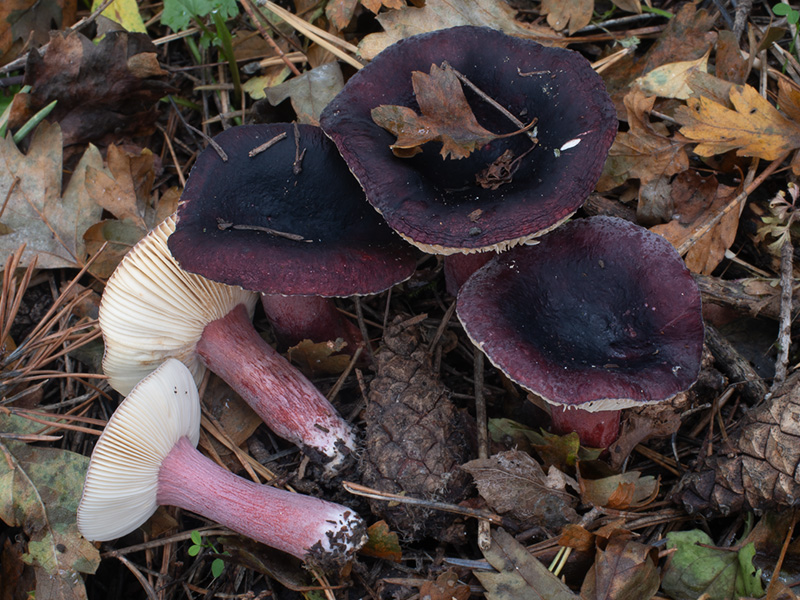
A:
(376, 5)
(340, 12)
(623, 570)
(36, 213)
(624, 491)
(446, 117)
(695, 198)
(646, 151)
(441, 14)
(123, 12)
(39, 492)
(515, 486)
(563, 13)
(316, 359)
(446, 587)
(634, 6)
(669, 80)
(255, 86)
(729, 64)
(310, 92)
(753, 128)
(24, 21)
(695, 569)
(519, 575)
(382, 543)
(108, 88)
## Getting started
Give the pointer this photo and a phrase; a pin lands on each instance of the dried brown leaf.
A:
(646, 151)
(621, 491)
(753, 128)
(515, 485)
(376, 5)
(446, 587)
(623, 570)
(695, 199)
(446, 117)
(574, 14)
(340, 12)
(36, 213)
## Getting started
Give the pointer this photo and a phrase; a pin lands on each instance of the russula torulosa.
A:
(153, 310)
(601, 315)
(146, 457)
(440, 205)
(291, 222)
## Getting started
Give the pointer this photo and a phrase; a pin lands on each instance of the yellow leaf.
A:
(670, 80)
(753, 128)
(124, 12)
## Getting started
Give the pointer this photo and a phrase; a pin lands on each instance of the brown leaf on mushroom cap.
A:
(446, 117)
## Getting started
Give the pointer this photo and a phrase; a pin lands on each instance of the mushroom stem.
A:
(303, 526)
(287, 402)
(298, 318)
(595, 429)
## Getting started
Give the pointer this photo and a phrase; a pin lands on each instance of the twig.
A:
(362, 327)
(785, 329)
(151, 593)
(251, 11)
(484, 533)
(297, 165)
(362, 490)
(266, 145)
(224, 225)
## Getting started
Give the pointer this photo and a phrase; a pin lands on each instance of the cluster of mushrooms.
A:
(598, 316)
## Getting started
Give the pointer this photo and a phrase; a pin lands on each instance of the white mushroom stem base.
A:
(596, 429)
(285, 400)
(298, 318)
(304, 526)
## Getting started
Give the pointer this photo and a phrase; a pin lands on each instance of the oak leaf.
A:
(36, 213)
(446, 117)
(376, 5)
(624, 569)
(563, 13)
(753, 128)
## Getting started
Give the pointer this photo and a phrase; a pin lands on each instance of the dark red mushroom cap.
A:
(433, 202)
(302, 189)
(602, 314)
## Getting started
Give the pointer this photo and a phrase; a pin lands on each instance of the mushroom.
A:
(153, 310)
(147, 457)
(448, 206)
(291, 222)
(601, 315)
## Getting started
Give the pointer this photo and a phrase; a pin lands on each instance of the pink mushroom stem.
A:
(298, 318)
(287, 402)
(596, 429)
(303, 526)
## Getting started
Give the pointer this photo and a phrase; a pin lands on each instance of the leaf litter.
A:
(705, 149)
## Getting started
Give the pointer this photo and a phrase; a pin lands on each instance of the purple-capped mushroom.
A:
(449, 206)
(601, 315)
(282, 215)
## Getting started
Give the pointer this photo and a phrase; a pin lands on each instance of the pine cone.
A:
(415, 440)
(762, 470)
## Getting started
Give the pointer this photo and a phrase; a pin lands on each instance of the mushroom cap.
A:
(153, 310)
(601, 314)
(122, 480)
(350, 249)
(432, 202)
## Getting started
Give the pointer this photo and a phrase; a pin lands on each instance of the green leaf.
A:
(194, 550)
(696, 569)
(39, 492)
(197, 538)
(178, 13)
(217, 567)
(781, 9)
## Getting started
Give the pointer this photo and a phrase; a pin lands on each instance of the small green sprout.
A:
(792, 18)
(217, 565)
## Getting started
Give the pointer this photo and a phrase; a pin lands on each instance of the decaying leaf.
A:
(340, 12)
(30, 21)
(310, 92)
(376, 5)
(519, 575)
(382, 543)
(563, 13)
(320, 358)
(515, 486)
(695, 198)
(753, 128)
(441, 14)
(446, 117)
(669, 80)
(624, 491)
(39, 492)
(36, 212)
(697, 568)
(108, 88)
(646, 151)
(446, 587)
(623, 570)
